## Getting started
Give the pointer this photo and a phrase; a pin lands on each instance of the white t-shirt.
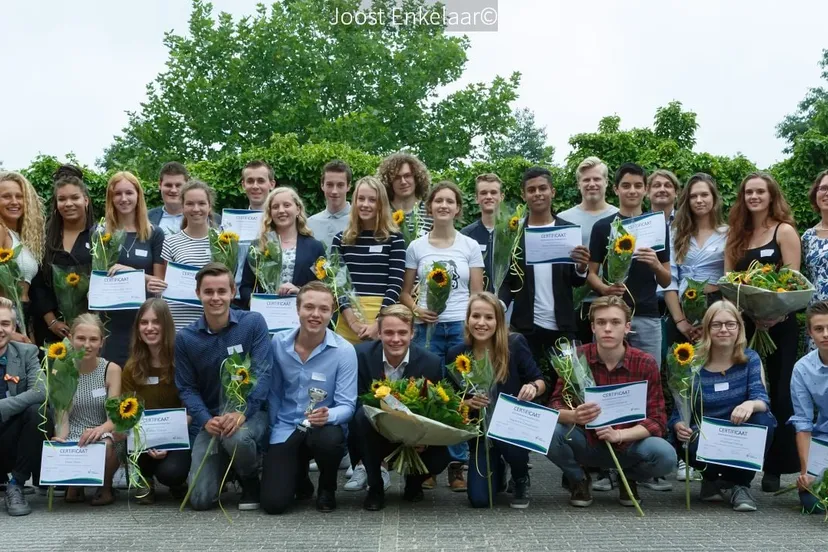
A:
(544, 314)
(463, 255)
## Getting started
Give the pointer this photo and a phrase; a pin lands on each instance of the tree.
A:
(525, 140)
(231, 85)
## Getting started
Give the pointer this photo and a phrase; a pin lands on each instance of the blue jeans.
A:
(646, 335)
(477, 488)
(641, 460)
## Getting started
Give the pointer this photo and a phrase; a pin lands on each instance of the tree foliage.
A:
(525, 139)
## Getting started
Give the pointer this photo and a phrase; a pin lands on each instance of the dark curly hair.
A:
(391, 165)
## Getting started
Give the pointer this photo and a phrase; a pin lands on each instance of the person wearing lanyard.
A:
(488, 195)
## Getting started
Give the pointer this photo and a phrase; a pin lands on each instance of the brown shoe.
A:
(624, 498)
(456, 480)
(429, 483)
(580, 495)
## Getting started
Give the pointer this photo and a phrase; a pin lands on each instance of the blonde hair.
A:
(208, 191)
(606, 302)
(88, 319)
(738, 355)
(591, 163)
(267, 219)
(6, 303)
(397, 310)
(383, 223)
(142, 224)
(664, 173)
(32, 223)
(500, 341)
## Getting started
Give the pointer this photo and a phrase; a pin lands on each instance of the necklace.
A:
(135, 239)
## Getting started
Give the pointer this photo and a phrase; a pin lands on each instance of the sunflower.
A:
(319, 268)
(376, 385)
(57, 351)
(6, 255)
(442, 393)
(780, 290)
(106, 237)
(438, 276)
(226, 237)
(244, 376)
(514, 222)
(412, 391)
(382, 392)
(684, 353)
(625, 244)
(128, 408)
(72, 279)
(690, 294)
(463, 364)
(767, 268)
(398, 217)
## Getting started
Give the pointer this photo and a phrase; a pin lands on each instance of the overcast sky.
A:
(71, 69)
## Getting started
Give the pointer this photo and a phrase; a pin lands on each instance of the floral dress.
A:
(815, 257)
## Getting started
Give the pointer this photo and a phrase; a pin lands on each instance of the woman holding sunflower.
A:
(87, 420)
(730, 387)
(284, 213)
(373, 249)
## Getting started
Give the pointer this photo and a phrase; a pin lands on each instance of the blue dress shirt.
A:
(809, 393)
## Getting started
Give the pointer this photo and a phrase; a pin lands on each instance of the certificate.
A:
(620, 404)
(649, 229)
(523, 424)
(727, 444)
(181, 284)
(279, 311)
(244, 222)
(121, 291)
(817, 457)
(552, 244)
(67, 464)
(162, 429)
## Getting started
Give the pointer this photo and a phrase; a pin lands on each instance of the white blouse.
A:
(25, 260)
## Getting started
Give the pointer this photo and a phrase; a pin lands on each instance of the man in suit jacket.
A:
(21, 393)
(393, 357)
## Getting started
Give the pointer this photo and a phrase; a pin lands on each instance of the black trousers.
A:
(21, 444)
(374, 448)
(286, 465)
(170, 471)
(542, 344)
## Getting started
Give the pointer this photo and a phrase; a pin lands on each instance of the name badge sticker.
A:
(235, 349)
(482, 247)
(141, 252)
(722, 386)
(87, 245)
(318, 376)
(98, 393)
(712, 248)
(375, 249)
(152, 380)
(766, 253)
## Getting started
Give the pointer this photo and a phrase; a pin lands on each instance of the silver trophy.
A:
(316, 396)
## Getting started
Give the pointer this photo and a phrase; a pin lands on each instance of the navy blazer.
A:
(478, 232)
(308, 250)
(156, 213)
(421, 364)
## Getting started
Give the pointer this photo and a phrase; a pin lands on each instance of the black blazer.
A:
(481, 235)
(421, 364)
(564, 280)
(308, 250)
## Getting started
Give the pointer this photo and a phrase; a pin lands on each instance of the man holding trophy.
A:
(312, 398)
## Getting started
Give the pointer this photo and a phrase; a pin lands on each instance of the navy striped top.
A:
(376, 268)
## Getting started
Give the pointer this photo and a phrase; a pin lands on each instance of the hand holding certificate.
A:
(620, 404)
(523, 424)
(122, 291)
(67, 464)
(551, 244)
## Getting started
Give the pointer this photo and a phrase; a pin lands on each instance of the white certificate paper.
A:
(122, 291)
(620, 403)
(817, 457)
(523, 424)
(67, 464)
(279, 311)
(649, 229)
(551, 244)
(727, 444)
(244, 222)
(181, 284)
(162, 429)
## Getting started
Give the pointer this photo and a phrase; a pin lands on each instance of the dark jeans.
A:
(499, 452)
(170, 471)
(374, 448)
(286, 465)
(541, 344)
(20, 445)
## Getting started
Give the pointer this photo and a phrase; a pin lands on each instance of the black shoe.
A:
(375, 501)
(770, 482)
(304, 490)
(326, 501)
(564, 482)
(413, 489)
(520, 499)
(250, 494)
(179, 492)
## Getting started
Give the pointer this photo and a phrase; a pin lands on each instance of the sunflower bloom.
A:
(690, 294)
(6, 255)
(684, 354)
(244, 376)
(766, 268)
(128, 408)
(227, 237)
(625, 244)
(463, 364)
(319, 269)
(398, 217)
(382, 392)
(106, 237)
(57, 351)
(72, 279)
(442, 393)
(376, 385)
(780, 290)
(514, 222)
(438, 276)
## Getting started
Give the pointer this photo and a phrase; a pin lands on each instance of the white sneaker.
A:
(345, 463)
(119, 481)
(386, 479)
(607, 482)
(359, 479)
(657, 484)
(312, 467)
(349, 472)
(681, 474)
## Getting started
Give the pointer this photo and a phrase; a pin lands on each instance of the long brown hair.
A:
(500, 346)
(741, 223)
(140, 358)
(383, 223)
(685, 224)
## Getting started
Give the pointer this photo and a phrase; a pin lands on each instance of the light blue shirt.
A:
(170, 224)
(332, 366)
(809, 393)
(700, 263)
(325, 225)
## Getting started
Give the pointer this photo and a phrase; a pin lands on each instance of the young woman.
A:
(149, 373)
(462, 257)
(729, 387)
(762, 229)
(87, 422)
(191, 246)
(68, 247)
(516, 374)
(373, 249)
(126, 210)
(285, 214)
(815, 243)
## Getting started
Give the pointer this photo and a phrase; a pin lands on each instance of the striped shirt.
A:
(426, 221)
(376, 268)
(182, 249)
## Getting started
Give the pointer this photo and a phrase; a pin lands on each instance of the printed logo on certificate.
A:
(727, 444)
(122, 291)
(279, 311)
(244, 222)
(523, 424)
(162, 429)
(621, 403)
(67, 464)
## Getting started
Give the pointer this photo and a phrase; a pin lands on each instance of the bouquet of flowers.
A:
(620, 251)
(682, 369)
(106, 246)
(820, 491)
(438, 287)
(334, 274)
(409, 225)
(11, 282)
(694, 301)
(224, 248)
(414, 413)
(71, 286)
(266, 262)
(765, 292)
(125, 412)
(576, 376)
(506, 243)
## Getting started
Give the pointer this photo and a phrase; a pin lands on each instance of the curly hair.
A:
(390, 166)
(32, 225)
(685, 224)
(267, 220)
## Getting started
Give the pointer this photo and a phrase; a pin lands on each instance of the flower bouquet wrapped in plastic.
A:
(11, 282)
(71, 285)
(409, 226)
(437, 289)
(682, 369)
(333, 272)
(224, 248)
(126, 412)
(694, 301)
(106, 246)
(620, 251)
(266, 261)
(506, 244)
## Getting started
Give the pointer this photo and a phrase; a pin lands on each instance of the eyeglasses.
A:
(822, 190)
(730, 326)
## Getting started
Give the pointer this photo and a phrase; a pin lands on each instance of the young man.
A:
(809, 392)
(309, 359)
(21, 394)
(663, 187)
(407, 181)
(336, 183)
(488, 195)
(639, 446)
(393, 357)
(168, 217)
(257, 181)
(201, 350)
(543, 309)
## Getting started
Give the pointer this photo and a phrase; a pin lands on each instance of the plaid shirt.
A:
(635, 366)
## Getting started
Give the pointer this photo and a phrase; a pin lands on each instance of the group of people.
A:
(170, 354)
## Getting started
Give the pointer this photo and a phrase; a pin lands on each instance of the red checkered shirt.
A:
(635, 366)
